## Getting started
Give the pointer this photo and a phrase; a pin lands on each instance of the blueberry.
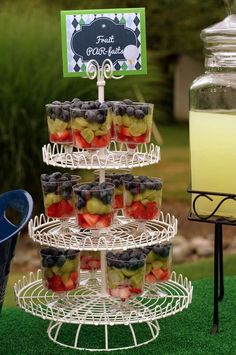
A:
(66, 115)
(135, 253)
(125, 256)
(103, 185)
(76, 112)
(117, 111)
(56, 102)
(133, 264)
(119, 264)
(139, 114)
(97, 104)
(60, 260)
(130, 111)
(81, 203)
(164, 251)
(145, 109)
(85, 106)
(45, 177)
(122, 110)
(58, 111)
(145, 250)
(116, 182)
(48, 261)
(158, 185)
(100, 118)
(67, 176)
(56, 175)
(70, 254)
(76, 99)
(109, 103)
(53, 116)
(106, 199)
(90, 116)
(128, 102)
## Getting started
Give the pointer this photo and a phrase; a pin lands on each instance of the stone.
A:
(202, 246)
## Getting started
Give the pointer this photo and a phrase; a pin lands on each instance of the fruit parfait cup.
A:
(116, 178)
(59, 123)
(125, 273)
(91, 125)
(90, 261)
(132, 122)
(58, 196)
(142, 198)
(94, 204)
(60, 269)
(158, 263)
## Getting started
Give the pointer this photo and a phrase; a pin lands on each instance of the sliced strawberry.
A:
(69, 285)
(137, 210)
(114, 292)
(124, 131)
(135, 290)
(56, 281)
(158, 273)
(63, 136)
(140, 139)
(52, 210)
(74, 276)
(80, 141)
(124, 293)
(94, 264)
(65, 208)
(118, 201)
(166, 275)
(151, 210)
(101, 141)
(91, 219)
(104, 221)
(81, 221)
(150, 278)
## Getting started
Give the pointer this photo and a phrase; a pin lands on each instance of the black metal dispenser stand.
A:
(218, 245)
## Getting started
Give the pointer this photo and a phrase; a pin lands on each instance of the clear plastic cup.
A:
(58, 196)
(125, 273)
(59, 122)
(116, 178)
(158, 263)
(132, 122)
(91, 125)
(94, 205)
(142, 198)
(60, 269)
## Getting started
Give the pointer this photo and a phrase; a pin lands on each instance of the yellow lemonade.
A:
(213, 159)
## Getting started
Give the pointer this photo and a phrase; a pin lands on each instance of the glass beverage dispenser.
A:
(212, 119)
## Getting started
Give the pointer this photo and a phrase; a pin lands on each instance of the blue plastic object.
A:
(19, 201)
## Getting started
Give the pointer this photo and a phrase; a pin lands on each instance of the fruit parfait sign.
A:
(115, 34)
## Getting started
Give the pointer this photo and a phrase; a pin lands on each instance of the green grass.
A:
(192, 270)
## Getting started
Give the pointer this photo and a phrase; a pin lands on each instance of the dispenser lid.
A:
(227, 27)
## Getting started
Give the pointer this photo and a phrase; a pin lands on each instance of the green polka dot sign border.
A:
(115, 34)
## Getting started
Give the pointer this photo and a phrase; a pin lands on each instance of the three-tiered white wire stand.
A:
(90, 304)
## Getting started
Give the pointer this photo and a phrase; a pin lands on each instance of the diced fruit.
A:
(69, 285)
(56, 281)
(68, 266)
(95, 206)
(115, 277)
(52, 210)
(137, 210)
(126, 121)
(59, 125)
(158, 273)
(157, 264)
(80, 141)
(104, 221)
(135, 290)
(61, 136)
(129, 273)
(74, 276)
(138, 197)
(128, 198)
(166, 275)
(118, 201)
(94, 264)
(64, 208)
(87, 134)
(101, 141)
(100, 132)
(65, 277)
(124, 293)
(51, 198)
(151, 257)
(137, 128)
(148, 268)
(114, 292)
(48, 273)
(125, 131)
(140, 139)
(91, 219)
(137, 280)
(150, 194)
(150, 278)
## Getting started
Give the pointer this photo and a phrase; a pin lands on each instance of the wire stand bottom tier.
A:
(102, 338)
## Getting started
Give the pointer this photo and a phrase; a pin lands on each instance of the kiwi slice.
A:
(94, 126)
(87, 134)
(148, 120)
(137, 128)
(117, 120)
(128, 198)
(100, 132)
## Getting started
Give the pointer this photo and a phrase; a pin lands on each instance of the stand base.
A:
(80, 337)
(214, 329)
